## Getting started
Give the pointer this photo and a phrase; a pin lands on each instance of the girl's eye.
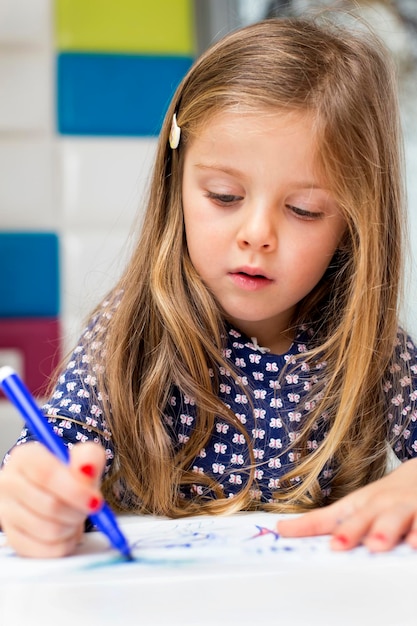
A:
(223, 198)
(304, 213)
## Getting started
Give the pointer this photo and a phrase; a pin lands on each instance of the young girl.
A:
(250, 356)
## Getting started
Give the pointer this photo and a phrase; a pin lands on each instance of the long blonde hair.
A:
(167, 328)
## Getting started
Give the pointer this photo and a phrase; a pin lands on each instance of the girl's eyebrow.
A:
(220, 168)
(302, 184)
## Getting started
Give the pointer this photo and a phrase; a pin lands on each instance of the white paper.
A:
(191, 547)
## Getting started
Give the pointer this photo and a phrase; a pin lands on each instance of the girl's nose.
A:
(258, 231)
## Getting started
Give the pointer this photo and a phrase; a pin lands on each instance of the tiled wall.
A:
(84, 85)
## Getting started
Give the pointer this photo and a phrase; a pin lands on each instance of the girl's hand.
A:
(44, 503)
(378, 516)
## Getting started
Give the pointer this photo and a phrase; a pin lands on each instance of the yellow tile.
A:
(143, 26)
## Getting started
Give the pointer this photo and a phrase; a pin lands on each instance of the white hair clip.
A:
(175, 134)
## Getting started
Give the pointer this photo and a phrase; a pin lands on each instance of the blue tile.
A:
(29, 278)
(115, 94)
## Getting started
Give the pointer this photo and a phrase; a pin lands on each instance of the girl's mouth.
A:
(249, 281)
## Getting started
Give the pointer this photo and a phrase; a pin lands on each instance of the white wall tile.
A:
(92, 260)
(25, 22)
(26, 90)
(13, 357)
(104, 180)
(27, 196)
(72, 326)
(10, 426)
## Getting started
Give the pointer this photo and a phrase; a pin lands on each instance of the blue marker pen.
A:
(19, 395)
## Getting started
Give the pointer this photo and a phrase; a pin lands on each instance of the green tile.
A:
(145, 26)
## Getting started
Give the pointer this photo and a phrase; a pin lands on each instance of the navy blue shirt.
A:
(272, 421)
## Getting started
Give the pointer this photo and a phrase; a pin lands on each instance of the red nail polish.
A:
(94, 504)
(379, 537)
(88, 470)
(342, 539)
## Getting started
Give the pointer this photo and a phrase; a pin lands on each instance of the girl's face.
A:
(260, 223)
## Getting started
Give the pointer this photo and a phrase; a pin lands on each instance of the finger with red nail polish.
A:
(88, 470)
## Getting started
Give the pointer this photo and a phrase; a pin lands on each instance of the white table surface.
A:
(239, 581)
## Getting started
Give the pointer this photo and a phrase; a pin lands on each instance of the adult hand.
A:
(379, 516)
(44, 503)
